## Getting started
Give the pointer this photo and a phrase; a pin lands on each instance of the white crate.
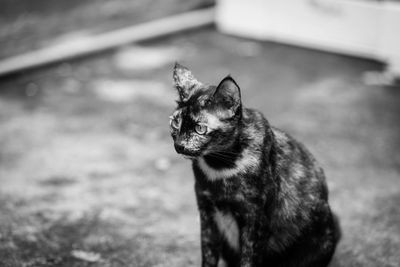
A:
(368, 29)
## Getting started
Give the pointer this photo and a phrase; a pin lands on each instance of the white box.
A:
(361, 28)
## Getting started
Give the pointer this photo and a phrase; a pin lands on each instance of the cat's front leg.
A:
(248, 238)
(209, 245)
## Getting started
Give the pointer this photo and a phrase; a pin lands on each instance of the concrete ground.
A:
(89, 176)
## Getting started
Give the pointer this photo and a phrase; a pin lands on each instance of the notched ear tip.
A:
(184, 81)
(178, 66)
(175, 72)
(179, 71)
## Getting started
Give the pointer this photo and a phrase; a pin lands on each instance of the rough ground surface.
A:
(89, 176)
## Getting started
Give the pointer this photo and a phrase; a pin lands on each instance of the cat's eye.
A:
(175, 122)
(200, 129)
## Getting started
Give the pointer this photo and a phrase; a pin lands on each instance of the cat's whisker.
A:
(225, 159)
(218, 156)
(226, 152)
(224, 155)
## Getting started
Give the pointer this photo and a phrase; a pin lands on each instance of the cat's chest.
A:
(222, 195)
(225, 197)
(235, 194)
(225, 207)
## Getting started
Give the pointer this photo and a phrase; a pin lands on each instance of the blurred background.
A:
(88, 173)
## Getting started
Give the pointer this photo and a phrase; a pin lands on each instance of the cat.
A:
(262, 197)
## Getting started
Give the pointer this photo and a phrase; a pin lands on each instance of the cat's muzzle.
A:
(180, 149)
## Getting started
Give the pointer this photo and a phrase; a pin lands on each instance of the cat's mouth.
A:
(190, 155)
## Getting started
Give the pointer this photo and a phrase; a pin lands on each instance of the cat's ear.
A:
(184, 81)
(227, 94)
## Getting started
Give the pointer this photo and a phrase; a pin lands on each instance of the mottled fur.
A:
(262, 197)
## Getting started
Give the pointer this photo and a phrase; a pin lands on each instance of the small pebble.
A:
(86, 255)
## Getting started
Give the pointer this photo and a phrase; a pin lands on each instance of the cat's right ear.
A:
(227, 94)
(184, 81)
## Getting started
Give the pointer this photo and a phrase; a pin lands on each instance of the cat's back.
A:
(296, 166)
(292, 157)
(302, 190)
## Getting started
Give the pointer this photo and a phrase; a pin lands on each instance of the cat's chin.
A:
(189, 157)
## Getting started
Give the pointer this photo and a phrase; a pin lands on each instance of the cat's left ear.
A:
(227, 94)
(184, 81)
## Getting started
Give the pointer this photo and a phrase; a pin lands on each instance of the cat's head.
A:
(207, 117)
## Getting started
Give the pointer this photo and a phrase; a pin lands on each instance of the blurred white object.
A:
(362, 28)
(145, 58)
(125, 91)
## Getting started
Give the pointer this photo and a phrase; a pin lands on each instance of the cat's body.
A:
(262, 198)
(279, 189)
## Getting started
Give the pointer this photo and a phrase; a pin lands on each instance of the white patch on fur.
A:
(222, 263)
(213, 122)
(246, 162)
(255, 134)
(228, 227)
(298, 171)
(206, 193)
(280, 136)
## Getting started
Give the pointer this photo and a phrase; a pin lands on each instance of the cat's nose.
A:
(179, 148)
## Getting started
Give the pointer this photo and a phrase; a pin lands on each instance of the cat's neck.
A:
(246, 162)
(224, 159)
